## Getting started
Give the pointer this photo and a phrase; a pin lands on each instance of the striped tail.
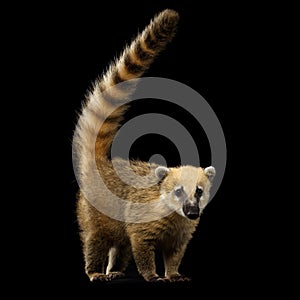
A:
(101, 101)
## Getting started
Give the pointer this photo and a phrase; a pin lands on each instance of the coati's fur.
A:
(184, 189)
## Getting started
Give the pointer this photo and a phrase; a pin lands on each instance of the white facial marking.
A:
(180, 212)
(178, 191)
(177, 187)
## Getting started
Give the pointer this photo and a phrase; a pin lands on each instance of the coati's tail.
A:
(101, 102)
(137, 58)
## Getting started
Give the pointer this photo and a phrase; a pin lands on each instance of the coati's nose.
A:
(192, 216)
(191, 211)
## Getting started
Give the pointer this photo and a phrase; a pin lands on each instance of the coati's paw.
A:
(115, 275)
(98, 277)
(156, 278)
(179, 278)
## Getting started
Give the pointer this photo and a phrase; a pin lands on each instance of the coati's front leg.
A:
(144, 256)
(172, 260)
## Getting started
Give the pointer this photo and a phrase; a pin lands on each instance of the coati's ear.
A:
(210, 172)
(161, 172)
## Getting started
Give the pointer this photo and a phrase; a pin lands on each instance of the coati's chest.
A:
(176, 230)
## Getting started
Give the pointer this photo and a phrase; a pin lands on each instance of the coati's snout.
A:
(191, 211)
(189, 203)
(190, 207)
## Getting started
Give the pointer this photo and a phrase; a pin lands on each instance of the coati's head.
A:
(186, 189)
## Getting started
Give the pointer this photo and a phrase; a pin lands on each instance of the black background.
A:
(65, 49)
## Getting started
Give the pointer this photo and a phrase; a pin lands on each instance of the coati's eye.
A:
(178, 191)
(199, 191)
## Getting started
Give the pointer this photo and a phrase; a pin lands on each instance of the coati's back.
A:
(181, 192)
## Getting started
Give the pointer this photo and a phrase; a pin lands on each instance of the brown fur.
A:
(103, 236)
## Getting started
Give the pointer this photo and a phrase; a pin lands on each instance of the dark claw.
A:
(153, 279)
(114, 275)
(179, 278)
(99, 277)
(163, 279)
(158, 279)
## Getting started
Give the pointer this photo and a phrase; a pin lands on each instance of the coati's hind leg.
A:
(118, 260)
(95, 253)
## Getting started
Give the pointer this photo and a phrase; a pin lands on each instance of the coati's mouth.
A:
(192, 212)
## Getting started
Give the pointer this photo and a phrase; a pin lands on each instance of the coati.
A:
(109, 243)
